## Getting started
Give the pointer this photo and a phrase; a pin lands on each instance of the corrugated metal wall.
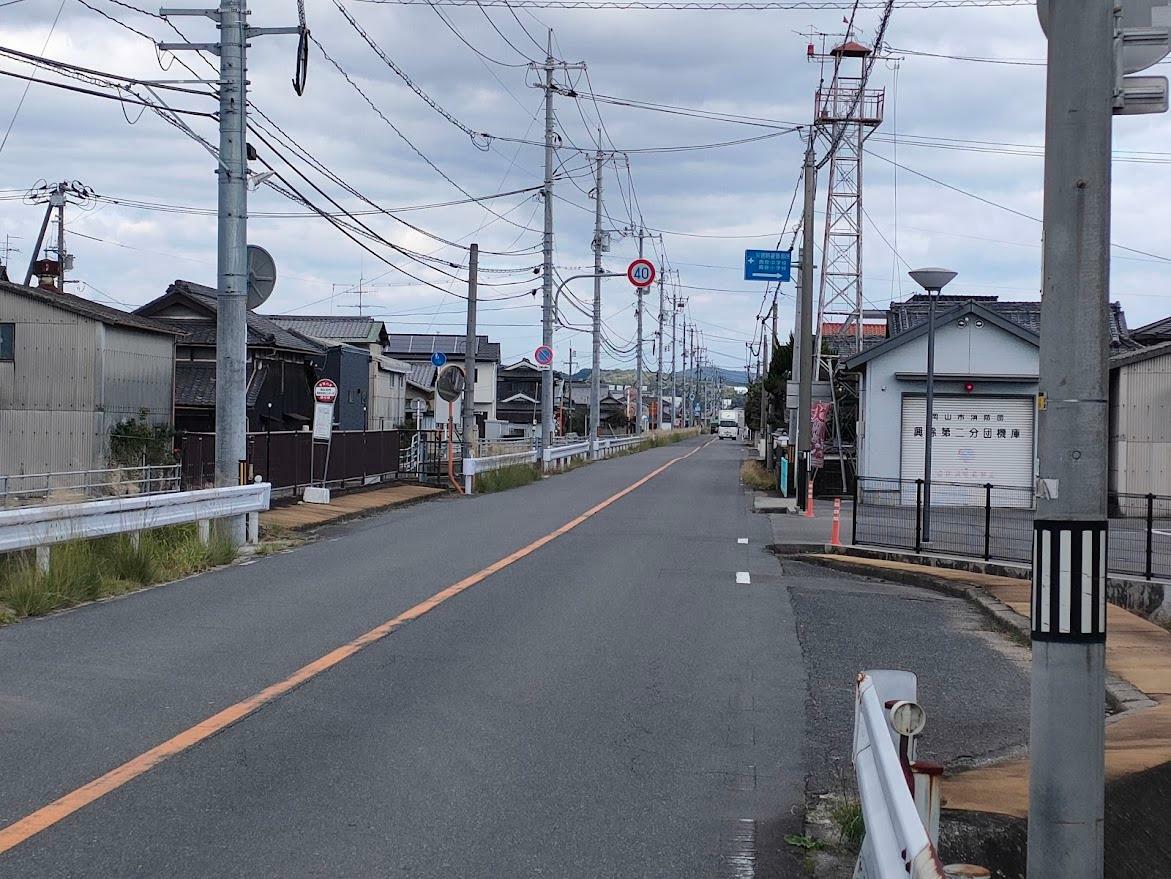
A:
(1141, 427)
(137, 374)
(53, 394)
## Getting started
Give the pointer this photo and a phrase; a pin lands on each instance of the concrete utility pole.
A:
(769, 456)
(763, 376)
(804, 357)
(674, 312)
(470, 346)
(569, 420)
(61, 242)
(547, 246)
(683, 383)
(659, 383)
(232, 250)
(639, 292)
(595, 374)
(548, 68)
(1067, 728)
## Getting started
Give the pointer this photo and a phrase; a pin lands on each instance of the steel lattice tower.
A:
(843, 112)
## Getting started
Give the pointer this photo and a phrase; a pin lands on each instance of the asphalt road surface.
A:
(626, 699)
(603, 674)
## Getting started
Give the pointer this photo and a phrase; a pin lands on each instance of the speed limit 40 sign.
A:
(641, 272)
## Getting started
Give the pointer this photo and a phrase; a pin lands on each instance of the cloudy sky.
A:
(971, 124)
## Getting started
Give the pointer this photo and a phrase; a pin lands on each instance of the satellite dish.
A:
(449, 384)
(261, 276)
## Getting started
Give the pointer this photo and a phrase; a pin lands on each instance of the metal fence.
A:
(72, 486)
(290, 460)
(996, 522)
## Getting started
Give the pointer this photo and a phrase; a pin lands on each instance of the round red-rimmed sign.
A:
(325, 391)
(641, 272)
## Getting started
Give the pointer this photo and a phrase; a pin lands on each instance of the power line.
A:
(707, 5)
(995, 204)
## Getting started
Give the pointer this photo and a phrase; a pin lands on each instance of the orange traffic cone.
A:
(809, 500)
(835, 530)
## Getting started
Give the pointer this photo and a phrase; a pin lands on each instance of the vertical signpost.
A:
(324, 397)
(640, 273)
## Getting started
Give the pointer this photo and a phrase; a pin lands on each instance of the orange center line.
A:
(46, 816)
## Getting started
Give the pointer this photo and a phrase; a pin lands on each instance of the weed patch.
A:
(513, 476)
(754, 475)
(82, 571)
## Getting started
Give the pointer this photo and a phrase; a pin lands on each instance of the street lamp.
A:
(933, 280)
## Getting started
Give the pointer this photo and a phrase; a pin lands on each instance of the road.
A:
(601, 674)
(614, 703)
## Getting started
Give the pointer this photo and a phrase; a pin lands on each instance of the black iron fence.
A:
(996, 522)
(291, 460)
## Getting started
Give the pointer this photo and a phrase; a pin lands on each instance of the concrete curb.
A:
(1121, 695)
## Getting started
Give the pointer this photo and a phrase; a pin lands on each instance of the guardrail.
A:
(900, 795)
(39, 528)
(472, 466)
(557, 456)
(72, 486)
(607, 447)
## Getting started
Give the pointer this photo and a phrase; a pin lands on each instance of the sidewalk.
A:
(299, 516)
(1137, 651)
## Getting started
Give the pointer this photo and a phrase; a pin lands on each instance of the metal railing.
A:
(487, 448)
(40, 527)
(900, 796)
(72, 486)
(559, 455)
(612, 445)
(996, 522)
(472, 466)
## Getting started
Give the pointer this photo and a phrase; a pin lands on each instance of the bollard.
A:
(809, 500)
(835, 529)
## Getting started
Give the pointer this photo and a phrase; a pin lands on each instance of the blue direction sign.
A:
(439, 358)
(768, 265)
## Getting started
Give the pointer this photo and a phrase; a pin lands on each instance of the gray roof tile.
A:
(86, 308)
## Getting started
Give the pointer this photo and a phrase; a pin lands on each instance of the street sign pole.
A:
(639, 293)
(1067, 715)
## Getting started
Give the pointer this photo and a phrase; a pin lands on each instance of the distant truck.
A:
(731, 423)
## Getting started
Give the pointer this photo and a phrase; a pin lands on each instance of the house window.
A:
(475, 375)
(8, 342)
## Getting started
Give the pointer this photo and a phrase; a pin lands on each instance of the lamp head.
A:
(932, 278)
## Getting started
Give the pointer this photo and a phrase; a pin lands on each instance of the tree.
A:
(135, 442)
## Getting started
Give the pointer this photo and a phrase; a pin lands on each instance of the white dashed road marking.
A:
(743, 578)
(741, 539)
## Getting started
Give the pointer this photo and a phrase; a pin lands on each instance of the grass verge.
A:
(86, 570)
(754, 475)
(513, 476)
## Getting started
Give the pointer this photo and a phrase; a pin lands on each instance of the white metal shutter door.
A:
(977, 440)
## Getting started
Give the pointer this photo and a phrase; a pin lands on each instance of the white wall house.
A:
(1140, 421)
(986, 370)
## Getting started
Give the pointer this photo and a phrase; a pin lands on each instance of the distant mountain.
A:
(735, 377)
